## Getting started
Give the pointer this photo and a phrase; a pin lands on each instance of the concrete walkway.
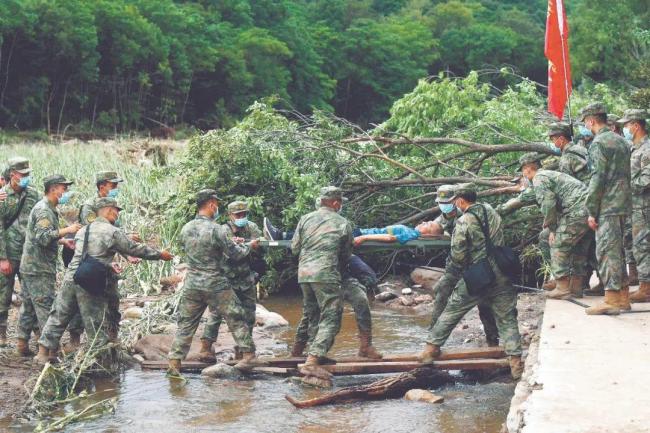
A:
(593, 372)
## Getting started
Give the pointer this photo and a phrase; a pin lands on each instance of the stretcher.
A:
(428, 243)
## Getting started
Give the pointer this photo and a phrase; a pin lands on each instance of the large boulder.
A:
(427, 277)
(220, 370)
(423, 395)
(268, 319)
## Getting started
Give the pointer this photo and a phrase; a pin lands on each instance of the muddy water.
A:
(149, 403)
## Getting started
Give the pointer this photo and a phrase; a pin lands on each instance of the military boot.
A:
(314, 374)
(3, 335)
(608, 306)
(366, 349)
(207, 352)
(550, 284)
(248, 362)
(239, 355)
(430, 353)
(633, 274)
(22, 347)
(643, 294)
(298, 349)
(73, 343)
(624, 299)
(174, 368)
(43, 355)
(599, 290)
(576, 283)
(516, 367)
(561, 290)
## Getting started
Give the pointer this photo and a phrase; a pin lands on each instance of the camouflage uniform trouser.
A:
(322, 303)
(544, 245)
(38, 297)
(501, 298)
(641, 231)
(6, 290)
(355, 294)
(113, 315)
(570, 251)
(610, 252)
(443, 291)
(630, 258)
(247, 295)
(191, 308)
(73, 300)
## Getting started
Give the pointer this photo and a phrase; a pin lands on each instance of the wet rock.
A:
(269, 319)
(423, 395)
(426, 278)
(220, 370)
(420, 299)
(385, 296)
(407, 301)
(407, 291)
(132, 313)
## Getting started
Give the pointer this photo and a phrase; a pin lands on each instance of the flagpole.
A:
(561, 18)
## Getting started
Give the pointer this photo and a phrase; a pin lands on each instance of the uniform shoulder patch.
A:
(45, 223)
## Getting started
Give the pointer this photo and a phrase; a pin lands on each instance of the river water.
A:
(147, 402)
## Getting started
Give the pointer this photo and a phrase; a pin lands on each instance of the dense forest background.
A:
(120, 65)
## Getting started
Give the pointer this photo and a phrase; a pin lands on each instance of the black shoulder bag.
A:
(505, 257)
(480, 275)
(91, 274)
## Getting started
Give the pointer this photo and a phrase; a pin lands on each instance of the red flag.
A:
(556, 49)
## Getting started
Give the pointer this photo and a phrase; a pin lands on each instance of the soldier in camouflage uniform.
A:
(323, 240)
(39, 258)
(241, 276)
(14, 213)
(207, 245)
(562, 202)
(104, 242)
(634, 128)
(445, 223)
(354, 293)
(608, 203)
(575, 159)
(468, 246)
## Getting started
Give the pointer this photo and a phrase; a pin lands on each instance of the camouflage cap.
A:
(612, 118)
(633, 114)
(592, 109)
(205, 195)
(108, 176)
(238, 206)
(19, 164)
(55, 179)
(445, 194)
(529, 158)
(332, 193)
(102, 202)
(560, 128)
(464, 188)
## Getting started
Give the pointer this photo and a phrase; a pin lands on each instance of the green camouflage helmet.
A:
(103, 202)
(633, 114)
(464, 188)
(238, 206)
(55, 179)
(205, 195)
(592, 109)
(560, 128)
(108, 176)
(19, 164)
(332, 193)
(445, 194)
(529, 158)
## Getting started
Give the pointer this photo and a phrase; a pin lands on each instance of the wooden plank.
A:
(276, 371)
(198, 366)
(399, 367)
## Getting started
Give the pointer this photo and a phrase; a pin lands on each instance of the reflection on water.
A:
(148, 402)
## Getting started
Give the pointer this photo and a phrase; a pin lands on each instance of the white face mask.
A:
(340, 209)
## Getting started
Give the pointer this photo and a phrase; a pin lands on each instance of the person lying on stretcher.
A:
(394, 233)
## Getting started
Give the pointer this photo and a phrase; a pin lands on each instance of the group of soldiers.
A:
(600, 187)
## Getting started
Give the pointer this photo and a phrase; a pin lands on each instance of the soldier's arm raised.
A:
(127, 247)
(230, 248)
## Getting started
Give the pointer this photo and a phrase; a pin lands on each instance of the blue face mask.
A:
(216, 215)
(65, 197)
(554, 149)
(241, 222)
(446, 208)
(585, 132)
(24, 182)
(628, 135)
(113, 193)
